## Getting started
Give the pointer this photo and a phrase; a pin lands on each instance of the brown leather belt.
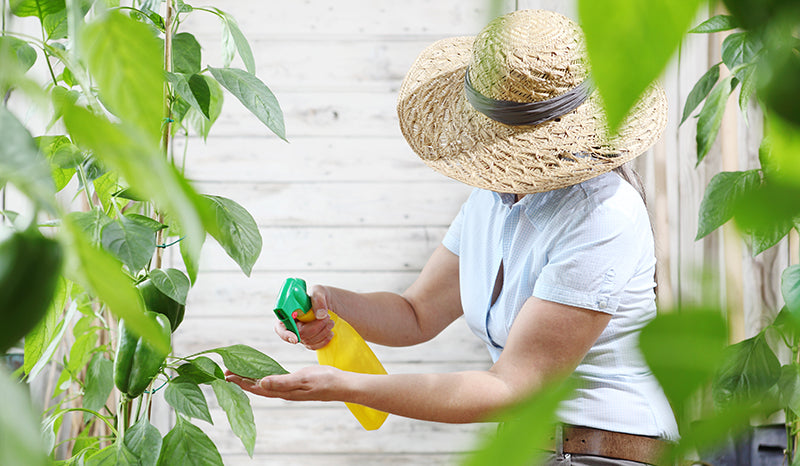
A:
(579, 440)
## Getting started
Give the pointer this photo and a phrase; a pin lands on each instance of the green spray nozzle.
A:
(293, 303)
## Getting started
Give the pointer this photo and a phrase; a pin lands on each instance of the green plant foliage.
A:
(186, 54)
(187, 399)
(236, 231)
(710, 118)
(91, 223)
(739, 48)
(38, 8)
(638, 34)
(115, 455)
(700, 91)
(171, 282)
(716, 23)
(237, 408)
(194, 90)
(125, 59)
(233, 39)
(144, 440)
(13, 49)
(187, 445)
(749, 371)
(99, 382)
(254, 95)
(20, 439)
(194, 119)
(38, 339)
(756, 14)
(723, 194)
(129, 241)
(248, 362)
(790, 289)
(200, 370)
(525, 431)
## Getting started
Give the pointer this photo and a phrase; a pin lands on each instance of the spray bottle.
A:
(346, 350)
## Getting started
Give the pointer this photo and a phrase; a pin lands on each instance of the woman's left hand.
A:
(317, 383)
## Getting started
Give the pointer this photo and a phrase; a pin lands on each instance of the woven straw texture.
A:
(525, 56)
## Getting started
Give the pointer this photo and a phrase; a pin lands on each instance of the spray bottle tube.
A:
(346, 350)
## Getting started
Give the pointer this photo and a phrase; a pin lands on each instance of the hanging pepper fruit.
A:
(156, 301)
(29, 268)
(137, 362)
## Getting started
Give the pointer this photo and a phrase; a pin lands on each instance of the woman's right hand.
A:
(317, 333)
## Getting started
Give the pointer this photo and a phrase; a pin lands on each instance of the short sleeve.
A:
(592, 259)
(452, 239)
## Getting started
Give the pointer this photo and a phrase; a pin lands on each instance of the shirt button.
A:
(601, 305)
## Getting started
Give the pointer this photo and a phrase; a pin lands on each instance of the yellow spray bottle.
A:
(346, 350)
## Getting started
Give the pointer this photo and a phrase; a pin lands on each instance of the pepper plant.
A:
(122, 80)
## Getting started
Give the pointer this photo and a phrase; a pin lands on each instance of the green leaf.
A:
(683, 349)
(124, 59)
(201, 370)
(37, 340)
(747, 76)
(739, 49)
(200, 123)
(716, 23)
(237, 232)
(22, 164)
(248, 362)
(781, 144)
(700, 90)
(186, 444)
(231, 31)
(115, 455)
(38, 8)
(186, 54)
(20, 437)
(99, 382)
(81, 351)
(193, 89)
(710, 118)
(64, 158)
(144, 440)
(750, 369)
(91, 223)
(147, 222)
(644, 33)
(188, 399)
(790, 289)
(766, 214)
(190, 262)
(145, 170)
(130, 241)
(254, 95)
(721, 197)
(18, 50)
(528, 426)
(237, 408)
(789, 387)
(101, 273)
(182, 7)
(171, 282)
(54, 343)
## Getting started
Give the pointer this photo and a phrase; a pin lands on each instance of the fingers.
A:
(284, 333)
(316, 334)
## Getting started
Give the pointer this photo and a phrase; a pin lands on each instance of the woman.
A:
(550, 259)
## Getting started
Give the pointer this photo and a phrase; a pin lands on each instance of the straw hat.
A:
(525, 56)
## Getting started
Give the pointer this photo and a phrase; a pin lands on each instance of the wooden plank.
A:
(347, 204)
(455, 343)
(305, 159)
(346, 459)
(295, 250)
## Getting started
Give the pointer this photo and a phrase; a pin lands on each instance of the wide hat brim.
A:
(456, 140)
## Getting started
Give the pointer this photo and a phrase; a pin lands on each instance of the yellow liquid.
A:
(349, 352)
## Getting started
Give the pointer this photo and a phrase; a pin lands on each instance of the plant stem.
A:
(166, 134)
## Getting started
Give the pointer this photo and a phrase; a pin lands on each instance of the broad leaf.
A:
(700, 91)
(99, 382)
(64, 157)
(54, 343)
(747, 76)
(188, 399)
(144, 169)
(20, 438)
(201, 370)
(248, 362)
(683, 350)
(171, 282)
(790, 289)
(144, 440)
(186, 444)
(38, 8)
(254, 95)
(115, 455)
(125, 61)
(766, 214)
(193, 89)
(237, 232)
(91, 223)
(197, 121)
(38, 339)
(738, 49)
(190, 262)
(101, 273)
(750, 369)
(716, 23)
(710, 118)
(147, 222)
(130, 241)
(231, 31)
(22, 164)
(18, 50)
(237, 408)
(186, 54)
(527, 427)
(721, 197)
(644, 33)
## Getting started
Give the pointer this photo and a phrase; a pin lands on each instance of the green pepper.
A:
(156, 301)
(137, 361)
(30, 265)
